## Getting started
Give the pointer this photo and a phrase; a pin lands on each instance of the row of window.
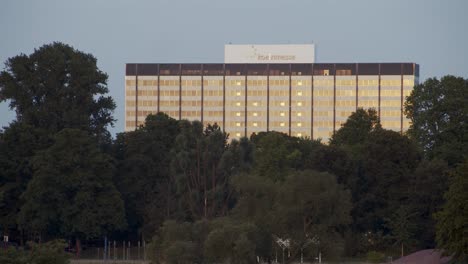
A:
(389, 113)
(390, 93)
(317, 103)
(388, 124)
(345, 93)
(345, 114)
(284, 82)
(169, 103)
(368, 92)
(345, 103)
(390, 103)
(284, 93)
(368, 103)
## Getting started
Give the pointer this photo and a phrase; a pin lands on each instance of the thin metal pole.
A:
(138, 249)
(128, 251)
(123, 249)
(283, 255)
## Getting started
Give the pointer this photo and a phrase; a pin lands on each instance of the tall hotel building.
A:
(269, 88)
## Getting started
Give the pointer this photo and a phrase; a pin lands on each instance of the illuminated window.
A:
(299, 134)
(299, 124)
(299, 103)
(238, 83)
(237, 134)
(255, 114)
(299, 93)
(282, 103)
(238, 124)
(238, 93)
(238, 114)
(282, 114)
(238, 103)
(299, 83)
(255, 104)
(282, 124)
(299, 114)
(254, 124)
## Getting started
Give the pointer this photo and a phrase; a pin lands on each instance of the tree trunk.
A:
(402, 253)
(78, 247)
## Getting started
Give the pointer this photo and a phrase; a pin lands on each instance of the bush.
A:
(375, 257)
(12, 256)
(47, 253)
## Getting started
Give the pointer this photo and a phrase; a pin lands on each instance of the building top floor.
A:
(271, 69)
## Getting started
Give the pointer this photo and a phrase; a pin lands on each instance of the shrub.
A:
(375, 257)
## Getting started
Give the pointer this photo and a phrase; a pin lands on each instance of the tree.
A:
(58, 87)
(380, 183)
(357, 127)
(53, 88)
(143, 172)
(312, 206)
(46, 253)
(438, 110)
(428, 184)
(18, 144)
(452, 220)
(231, 241)
(275, 153)
(195, 162)
(72, 192)
(401, 225)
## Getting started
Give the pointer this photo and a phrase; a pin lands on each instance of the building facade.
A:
(300, 99)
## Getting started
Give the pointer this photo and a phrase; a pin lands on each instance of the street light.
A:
(283, 243)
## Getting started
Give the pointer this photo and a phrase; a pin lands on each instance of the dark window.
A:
(235, 69)
(301, 69)
(191, 69)
(130, 69)
(257, 69)
(408, 69)
(213, 69)
(346, 69)
(169, 69)
(324, 69)
(390, 68)
(279, 69)
(368, 68)
(147, 69)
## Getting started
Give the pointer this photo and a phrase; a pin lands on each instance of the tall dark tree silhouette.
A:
(58, 87)
(438, 110)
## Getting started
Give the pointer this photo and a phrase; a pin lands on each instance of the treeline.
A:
(199, 197)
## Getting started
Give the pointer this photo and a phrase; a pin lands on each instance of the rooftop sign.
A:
(287, 53)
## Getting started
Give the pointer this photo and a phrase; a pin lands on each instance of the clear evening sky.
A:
(430, 33)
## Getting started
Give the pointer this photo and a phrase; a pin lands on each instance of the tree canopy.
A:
(72, 192)
(205, 198)
(438, 110)
(58, 87)
(452, 220)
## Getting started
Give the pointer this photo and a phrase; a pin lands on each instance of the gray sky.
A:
(430, 33)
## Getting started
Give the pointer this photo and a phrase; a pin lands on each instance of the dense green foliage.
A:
(57, 87)
(46, 253)
(198, 196)
(452, 220)
(71, 192)
(438, 110)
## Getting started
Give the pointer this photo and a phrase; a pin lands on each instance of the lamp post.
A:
(283, 243)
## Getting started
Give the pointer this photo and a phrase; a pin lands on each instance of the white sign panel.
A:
(287, 53)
